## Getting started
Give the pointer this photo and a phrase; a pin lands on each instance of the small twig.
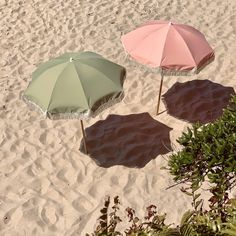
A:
(181, 182)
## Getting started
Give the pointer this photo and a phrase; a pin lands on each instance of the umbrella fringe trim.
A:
(167, 72)
(108, 103)
(80, 115)
(88, 113)
(34, 105)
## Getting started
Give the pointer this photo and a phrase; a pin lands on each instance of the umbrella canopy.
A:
(75, 85)
(169, 47)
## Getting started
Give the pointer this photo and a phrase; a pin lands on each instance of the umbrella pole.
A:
(159, 96)
(82, 128)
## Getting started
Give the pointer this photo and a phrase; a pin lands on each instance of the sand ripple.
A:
(48, 187)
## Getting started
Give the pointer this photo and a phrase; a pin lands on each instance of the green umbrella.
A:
(75, 85)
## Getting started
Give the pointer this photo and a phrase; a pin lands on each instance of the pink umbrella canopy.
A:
(171, 47)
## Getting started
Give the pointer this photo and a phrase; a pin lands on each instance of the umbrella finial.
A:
(71, 59)
(170, 23)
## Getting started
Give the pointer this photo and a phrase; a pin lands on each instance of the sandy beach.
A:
(47, 185)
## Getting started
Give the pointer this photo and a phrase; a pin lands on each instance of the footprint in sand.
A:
(49, 215)
(82, 204)
(13, 216)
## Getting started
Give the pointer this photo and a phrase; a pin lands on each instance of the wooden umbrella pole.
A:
(159, 96)
(82, 128)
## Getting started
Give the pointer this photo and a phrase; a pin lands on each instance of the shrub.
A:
(193, 223)
(153, 223)
(108, 221)
(209, 153)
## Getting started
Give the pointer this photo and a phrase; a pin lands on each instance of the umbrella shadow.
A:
(197, 101)
(129, 140)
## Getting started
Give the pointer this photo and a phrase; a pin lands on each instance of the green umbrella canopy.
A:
(75, 85)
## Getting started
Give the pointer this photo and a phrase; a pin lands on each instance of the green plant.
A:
(193, 223)
(154, 224)
(108, 220)
(230, 225)
(209, 153)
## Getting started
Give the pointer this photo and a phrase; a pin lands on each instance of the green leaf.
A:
(198, 203)
(229, 232)
(186, 217)
(196, 196)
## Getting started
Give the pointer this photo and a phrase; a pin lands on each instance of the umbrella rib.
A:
(99, 72)
(186, 46)
(146, 36)
(54, 90)
(107, 61)
(81, 85)
(164, 47)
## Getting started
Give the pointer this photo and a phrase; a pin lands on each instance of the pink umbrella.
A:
(172, 48)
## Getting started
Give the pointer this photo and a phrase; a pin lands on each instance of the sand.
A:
(48, 186)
